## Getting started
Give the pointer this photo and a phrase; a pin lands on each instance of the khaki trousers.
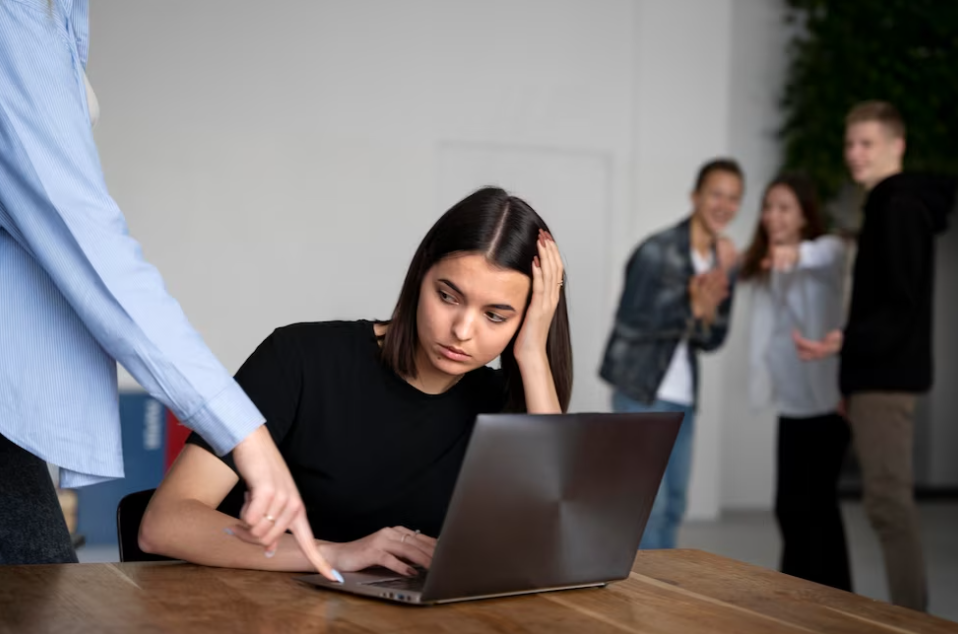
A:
(883, 425)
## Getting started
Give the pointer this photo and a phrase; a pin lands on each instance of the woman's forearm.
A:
(194, 532)
(540, 388)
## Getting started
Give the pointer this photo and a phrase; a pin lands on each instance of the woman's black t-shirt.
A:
(366, 449)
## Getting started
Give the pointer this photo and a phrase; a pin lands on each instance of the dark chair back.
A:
(129, 512)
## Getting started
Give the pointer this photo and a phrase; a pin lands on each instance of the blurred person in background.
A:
(676, 302)
(886, 347)
(797, 273)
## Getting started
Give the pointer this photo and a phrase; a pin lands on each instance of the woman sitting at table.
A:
(373, 418)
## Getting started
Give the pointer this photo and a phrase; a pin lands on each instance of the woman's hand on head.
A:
(396, 548)
(547, 281)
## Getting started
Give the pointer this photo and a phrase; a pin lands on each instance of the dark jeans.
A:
(32, 528)
(810, 455)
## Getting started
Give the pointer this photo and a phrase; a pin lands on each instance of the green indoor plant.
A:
(847, 51)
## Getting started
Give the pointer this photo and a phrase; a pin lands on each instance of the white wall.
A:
(282, 165)
(759, 60)
(280, 161)
(942, 402)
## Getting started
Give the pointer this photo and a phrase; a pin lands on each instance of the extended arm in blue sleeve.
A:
(55, 204)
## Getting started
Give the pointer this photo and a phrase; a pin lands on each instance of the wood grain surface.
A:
(677, 591)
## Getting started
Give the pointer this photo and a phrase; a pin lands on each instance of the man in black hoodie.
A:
(886, 356)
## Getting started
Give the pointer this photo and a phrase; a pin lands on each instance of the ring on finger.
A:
(270, 518)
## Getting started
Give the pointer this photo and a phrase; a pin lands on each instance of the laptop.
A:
(542, 502)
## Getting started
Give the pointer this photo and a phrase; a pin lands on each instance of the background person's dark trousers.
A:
(810, 455)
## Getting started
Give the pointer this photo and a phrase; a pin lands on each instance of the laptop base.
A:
(361, 583)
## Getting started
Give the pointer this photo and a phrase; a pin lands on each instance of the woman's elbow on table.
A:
(152, 537)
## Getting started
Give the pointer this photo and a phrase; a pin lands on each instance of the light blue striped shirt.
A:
(76, 294)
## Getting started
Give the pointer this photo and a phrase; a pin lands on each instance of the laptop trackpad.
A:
(376, 574)
(371, 575)
(400, 583)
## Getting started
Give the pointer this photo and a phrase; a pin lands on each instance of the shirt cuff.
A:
(226, 419)
(808, 254)
(75, 480)
(819, 253)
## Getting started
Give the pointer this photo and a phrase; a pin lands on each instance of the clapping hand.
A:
(706, 292)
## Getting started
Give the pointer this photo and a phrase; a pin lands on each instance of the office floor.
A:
(752, 536)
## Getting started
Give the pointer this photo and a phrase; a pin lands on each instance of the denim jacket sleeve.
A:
(641, 278)
(646, 313)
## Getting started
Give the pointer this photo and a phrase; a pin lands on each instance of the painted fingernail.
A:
(269, 554)
(338, 576)
(229, 532)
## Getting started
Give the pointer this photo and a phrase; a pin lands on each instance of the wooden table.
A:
(675, 591)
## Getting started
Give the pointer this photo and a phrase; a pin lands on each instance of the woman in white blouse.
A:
(798, 273)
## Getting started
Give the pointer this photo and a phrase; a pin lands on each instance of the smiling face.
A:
(782, 216)
(716, 202)
(873, 152)
(468, 312)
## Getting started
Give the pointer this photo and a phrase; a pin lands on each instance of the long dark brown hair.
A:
(505, 229)
(804, 190)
